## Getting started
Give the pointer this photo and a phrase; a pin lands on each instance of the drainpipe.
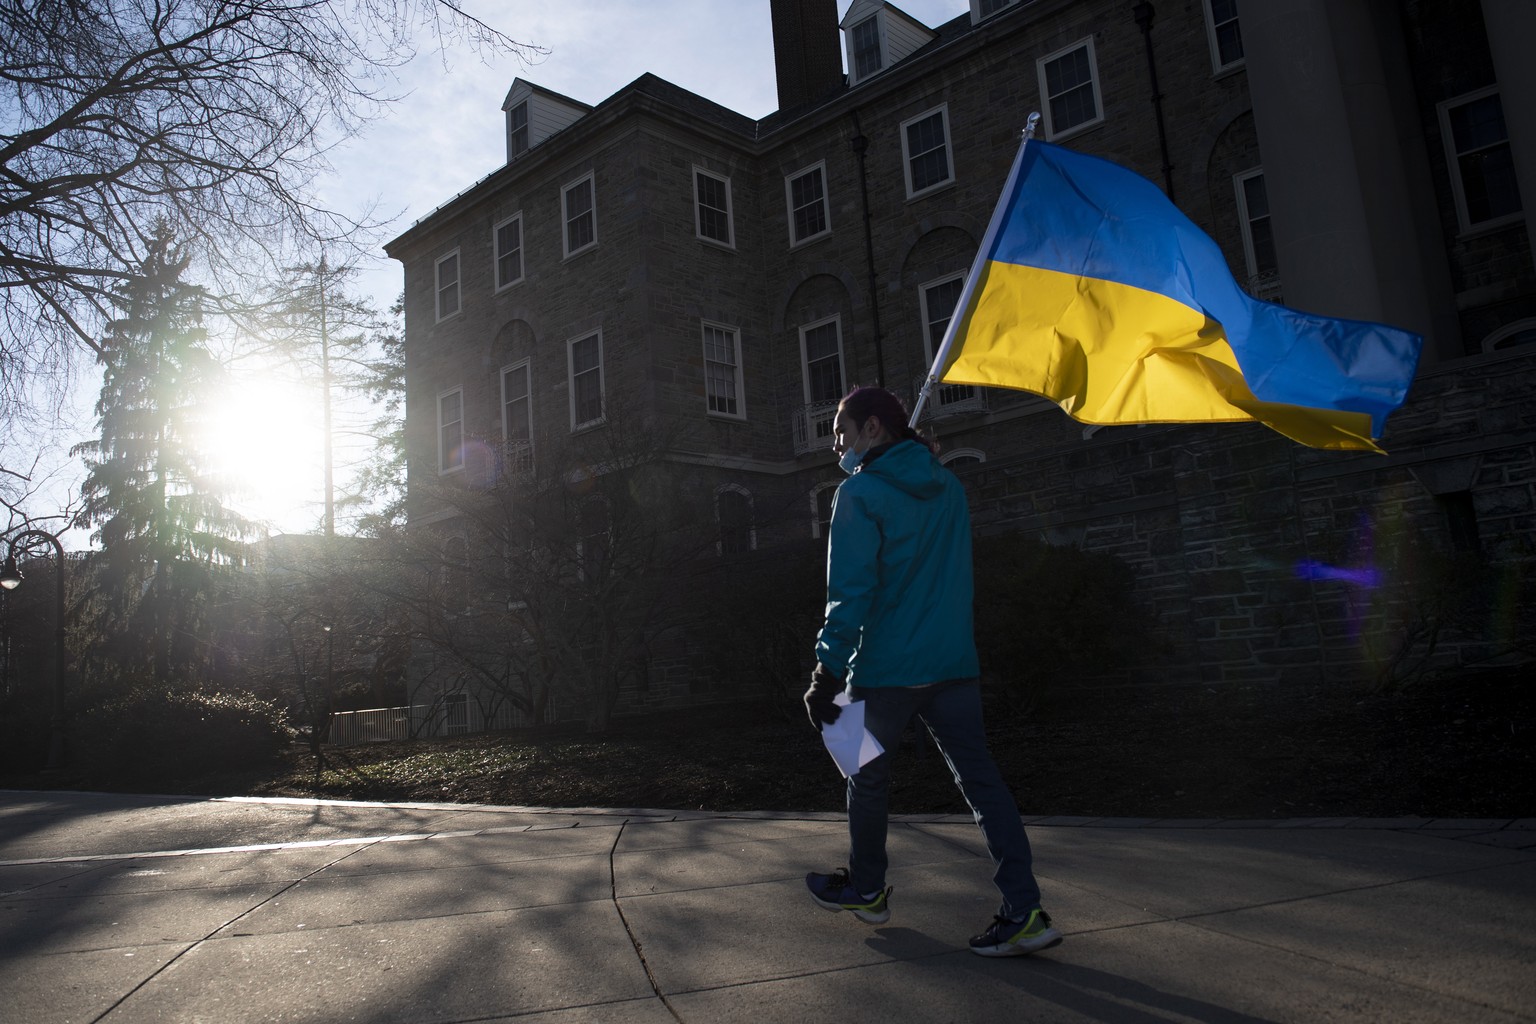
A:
(1143, 13)
(859, 144)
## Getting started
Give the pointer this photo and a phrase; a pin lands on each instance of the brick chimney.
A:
(807, 51)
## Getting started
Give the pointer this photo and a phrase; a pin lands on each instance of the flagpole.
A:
(982, 256)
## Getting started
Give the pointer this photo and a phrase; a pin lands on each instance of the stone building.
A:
(658, 264)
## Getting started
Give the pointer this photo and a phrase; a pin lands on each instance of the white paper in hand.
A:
(851, 745)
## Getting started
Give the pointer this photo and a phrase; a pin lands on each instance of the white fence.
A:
(444, 718)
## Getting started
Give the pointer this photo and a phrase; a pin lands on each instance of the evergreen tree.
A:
(161, 525)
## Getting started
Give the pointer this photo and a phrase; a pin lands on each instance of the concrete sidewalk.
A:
(128, 909)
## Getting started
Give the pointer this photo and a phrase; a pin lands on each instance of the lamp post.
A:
(10, 579)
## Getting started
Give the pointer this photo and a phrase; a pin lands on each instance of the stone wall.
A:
(1263, 561)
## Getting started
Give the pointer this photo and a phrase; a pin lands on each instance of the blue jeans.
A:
(952, 712)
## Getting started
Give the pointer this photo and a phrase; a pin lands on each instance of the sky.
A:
(445, 133)
(448, 131)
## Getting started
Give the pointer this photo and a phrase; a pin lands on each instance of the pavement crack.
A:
(634, 940)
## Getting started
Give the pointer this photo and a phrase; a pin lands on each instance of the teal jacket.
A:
(899, 586)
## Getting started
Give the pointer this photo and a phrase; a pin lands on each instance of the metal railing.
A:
(951, 399)
(517, 457)
(813, 426)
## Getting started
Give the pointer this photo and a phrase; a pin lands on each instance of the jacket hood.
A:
(909, 466)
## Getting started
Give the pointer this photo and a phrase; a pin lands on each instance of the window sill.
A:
(932, 190)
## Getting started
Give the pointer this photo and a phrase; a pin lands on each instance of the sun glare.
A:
(266, 444)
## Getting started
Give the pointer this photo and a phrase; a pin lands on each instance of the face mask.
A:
(850, 461)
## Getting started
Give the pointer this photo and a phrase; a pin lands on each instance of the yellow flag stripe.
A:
(1113, 353)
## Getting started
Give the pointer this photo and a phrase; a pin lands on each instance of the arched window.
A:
(733, 514)
(963, 457)
(821, 507)
(456, 576)
(1521, 332)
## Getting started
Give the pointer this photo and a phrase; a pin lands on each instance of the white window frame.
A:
(698, 207)
(815, 496)
(819, 168)
(497, 254)
(1453, 162)
(956, 454)
(907, 156)
(856, 75)
(444, 466)
(1217, 66)
(438, 288)
(1245, 219)
(942, 394)
(1494, 341)
(929, 344)
(1051, 131)
(565, 214)
(525, 365)
(570, 367)
(751, 517)
(805, 363)
(739, 396)
(513, 128)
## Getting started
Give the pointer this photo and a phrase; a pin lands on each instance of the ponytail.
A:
(862, 403)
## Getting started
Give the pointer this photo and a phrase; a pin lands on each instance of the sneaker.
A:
(1015, 938)
(834, 892)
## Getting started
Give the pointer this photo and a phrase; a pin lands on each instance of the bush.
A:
(159, 736)
(25, 731)
(1048, 615)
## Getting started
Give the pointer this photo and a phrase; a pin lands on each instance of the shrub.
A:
(25, 731)
(1048, 615)
(159, 736)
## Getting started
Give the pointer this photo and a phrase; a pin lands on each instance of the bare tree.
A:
(210, 116)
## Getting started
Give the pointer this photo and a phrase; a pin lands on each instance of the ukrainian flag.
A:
(1093, 290)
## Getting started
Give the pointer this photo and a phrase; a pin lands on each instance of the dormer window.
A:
(866, 48)
(877, 36)
(517, 130)
(982, 9)
(534, 114)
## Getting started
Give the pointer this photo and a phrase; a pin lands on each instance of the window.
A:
(517, 418)
(937, 301)
(821, 349)
(508, 241)
(517, 129)
(450, 430)
(1069, 83)
(586, 368)
(448, 285)
(808, 212)
(594, 538)
(986, 8)
(712, 207)
(722, 371)
(1226, 37)
(1482, 167)
(821, 508)
(580, 216)
(456, 576)
(961, 457)
(925, 145)
(866, 48)
(1258, 235)
(1521, 332)
(733, 512)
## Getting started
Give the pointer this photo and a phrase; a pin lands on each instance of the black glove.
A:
(819, 698)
